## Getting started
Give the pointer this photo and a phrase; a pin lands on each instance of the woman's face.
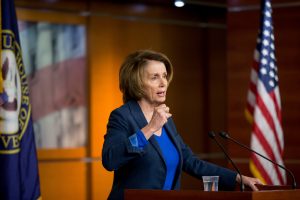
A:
(155, 82)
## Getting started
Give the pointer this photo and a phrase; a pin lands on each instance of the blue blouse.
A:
(171, 157)
(169, 151)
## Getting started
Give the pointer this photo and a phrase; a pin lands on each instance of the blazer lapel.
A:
(171, 131)
(141, 121)
(154, 143)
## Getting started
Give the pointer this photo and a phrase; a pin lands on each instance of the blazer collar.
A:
(137, 114)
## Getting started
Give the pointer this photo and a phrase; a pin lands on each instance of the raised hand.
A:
(160, 116)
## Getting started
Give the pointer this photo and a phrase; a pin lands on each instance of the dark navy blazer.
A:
(136, 168)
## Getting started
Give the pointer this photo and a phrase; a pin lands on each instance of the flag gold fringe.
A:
(256, 173)
(248, 116)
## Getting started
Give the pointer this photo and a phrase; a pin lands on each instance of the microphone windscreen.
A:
(211, 134)
(224, 134)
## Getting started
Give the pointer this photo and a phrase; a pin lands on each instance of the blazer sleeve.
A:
(196, 167)
(117, 149)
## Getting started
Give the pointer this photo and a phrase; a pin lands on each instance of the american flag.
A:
(264, 106)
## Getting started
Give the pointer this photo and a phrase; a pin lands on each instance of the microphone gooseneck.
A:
(212, 135)
(226, 136)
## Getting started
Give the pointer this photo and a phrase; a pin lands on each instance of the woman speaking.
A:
(142, 145)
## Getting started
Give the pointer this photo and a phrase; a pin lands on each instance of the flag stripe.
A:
(268, 166)
(261, 169)
(260, 121)
(256, 172)
(251, 99)
(270, 107)
(268, 149)
(257, 130)
(269, 120)
(275, 97)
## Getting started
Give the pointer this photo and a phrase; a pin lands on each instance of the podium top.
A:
(221, 195)
(274, 187)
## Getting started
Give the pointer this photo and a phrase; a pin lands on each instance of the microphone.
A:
(212, 135)
(226, 136)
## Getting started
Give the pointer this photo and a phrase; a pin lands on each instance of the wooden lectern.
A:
(265, 193)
